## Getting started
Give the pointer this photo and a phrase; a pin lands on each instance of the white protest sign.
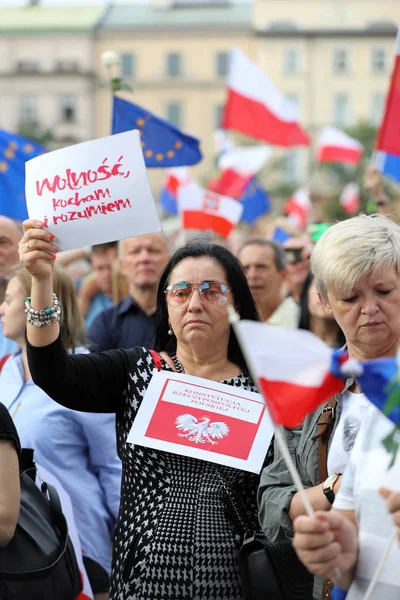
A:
(203, 419)
(93, 192)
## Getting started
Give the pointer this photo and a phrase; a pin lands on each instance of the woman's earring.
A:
(170, 332)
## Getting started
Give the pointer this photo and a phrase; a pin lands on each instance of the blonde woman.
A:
(78, 448)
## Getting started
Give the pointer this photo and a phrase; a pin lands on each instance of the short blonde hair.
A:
(353, 249)
(72, 326)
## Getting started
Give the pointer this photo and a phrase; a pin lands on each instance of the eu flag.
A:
(163, 144)
(255, 201)
(14, 152)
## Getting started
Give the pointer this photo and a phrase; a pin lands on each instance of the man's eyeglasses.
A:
(214, 292)
(294, 255)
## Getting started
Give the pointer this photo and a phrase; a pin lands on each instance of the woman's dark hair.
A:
(304, 322)
(243, 299)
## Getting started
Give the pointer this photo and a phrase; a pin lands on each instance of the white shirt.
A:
(354, 409)
(368, 469)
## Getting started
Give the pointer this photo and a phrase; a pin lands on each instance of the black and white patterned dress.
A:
(175, 539)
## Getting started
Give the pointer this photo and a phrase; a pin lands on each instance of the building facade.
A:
(175, 57)
(332, 58)
(46, 70)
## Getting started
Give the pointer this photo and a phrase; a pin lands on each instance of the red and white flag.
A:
(297, 372)
(298, 208)
(336, 146)
(256, 108)
(350, 198)
(205, 210)
(388, 139)
(238, 167)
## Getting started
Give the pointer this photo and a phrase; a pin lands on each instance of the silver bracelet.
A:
(47, 316)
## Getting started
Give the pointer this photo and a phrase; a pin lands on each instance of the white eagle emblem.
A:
(201, 431)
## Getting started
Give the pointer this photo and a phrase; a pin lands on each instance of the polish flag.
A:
(388, 139)
(256, 108)
(296, 371)
(238, 167)
(205, 210)
(174, 178)
(350, 198)
(336, 146)
(298, 208)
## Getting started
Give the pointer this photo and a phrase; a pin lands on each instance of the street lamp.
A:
(111, 60)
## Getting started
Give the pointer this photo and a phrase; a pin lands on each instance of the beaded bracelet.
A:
(38, 318)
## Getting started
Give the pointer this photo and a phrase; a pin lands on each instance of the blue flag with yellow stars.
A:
(164, 145)
(255, 201)
(14, 152)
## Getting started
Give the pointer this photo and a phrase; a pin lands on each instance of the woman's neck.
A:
(363, 352)
(325, 329)
(209, 364)
(27, 373)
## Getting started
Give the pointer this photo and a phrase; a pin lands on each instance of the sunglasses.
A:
(214, 292)
(293, 255)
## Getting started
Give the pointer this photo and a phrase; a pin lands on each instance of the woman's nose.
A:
(370, 306)
(195, 301)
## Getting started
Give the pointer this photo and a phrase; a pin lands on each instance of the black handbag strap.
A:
(62, 526)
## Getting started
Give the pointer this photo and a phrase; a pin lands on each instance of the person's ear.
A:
(284, 274)
(325, 304)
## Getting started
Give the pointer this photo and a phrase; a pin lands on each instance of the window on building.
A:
(291, 166)
(222, 63)
(379, 60)
(293, 99)
(291, 61)
(219, 109)
(28, 66)
(67, 66)
(174, 113)
(341, 110)
(174, 64)
(68, 108)
(377, 106)
(341, 61)
(28, 109)
(128, 65)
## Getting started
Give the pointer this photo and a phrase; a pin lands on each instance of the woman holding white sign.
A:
(174, 538)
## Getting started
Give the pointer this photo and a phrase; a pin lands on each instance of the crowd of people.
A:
(78, 348)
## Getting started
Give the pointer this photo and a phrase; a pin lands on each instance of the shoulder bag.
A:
(39, 563)
(267, 569)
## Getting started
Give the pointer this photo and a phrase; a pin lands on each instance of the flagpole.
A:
(233, 320)
(377, 573)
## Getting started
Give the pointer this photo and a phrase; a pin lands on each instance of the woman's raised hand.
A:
(37, 251)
